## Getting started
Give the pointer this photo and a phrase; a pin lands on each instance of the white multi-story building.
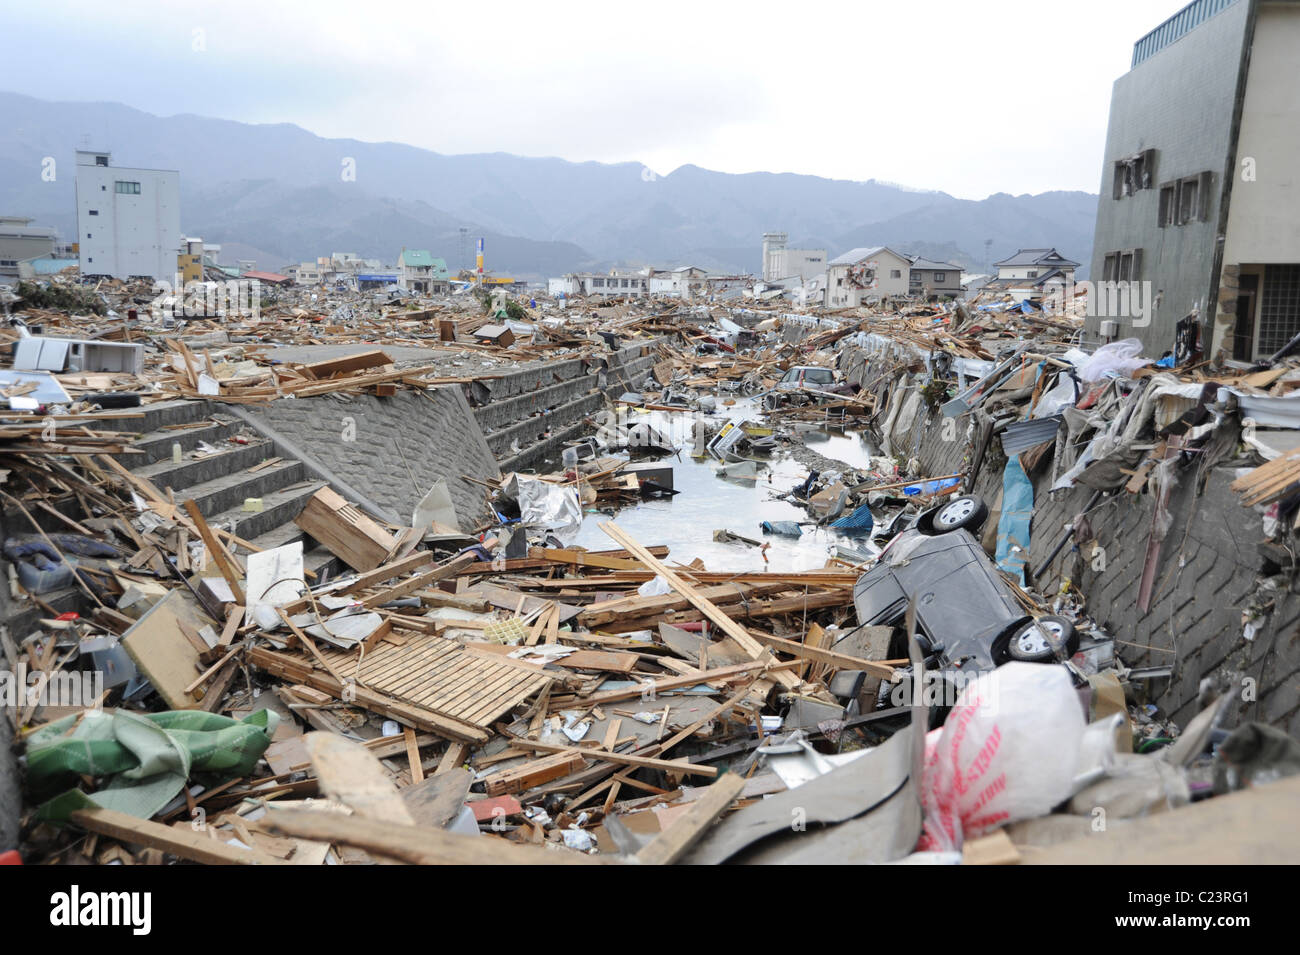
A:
(780, 262)
(615, 282)
(128, 220)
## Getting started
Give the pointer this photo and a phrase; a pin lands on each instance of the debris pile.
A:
(500, 694)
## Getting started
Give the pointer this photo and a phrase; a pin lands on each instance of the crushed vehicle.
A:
(968, 617)
(800, 383)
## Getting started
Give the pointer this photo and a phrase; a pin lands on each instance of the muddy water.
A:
(707, 502)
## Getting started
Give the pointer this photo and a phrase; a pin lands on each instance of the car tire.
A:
(1028, 644)
(966, 512)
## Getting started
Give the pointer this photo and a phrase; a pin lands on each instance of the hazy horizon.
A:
(931, 96)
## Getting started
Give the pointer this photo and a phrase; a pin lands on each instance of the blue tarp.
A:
(1013, 525)
(858, 524)
(929, 487)
(782, 528)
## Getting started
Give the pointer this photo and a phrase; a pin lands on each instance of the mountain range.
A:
(281, 194)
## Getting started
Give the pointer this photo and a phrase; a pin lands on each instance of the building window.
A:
(597, 283)
(1188, 203)
(1133, 173)
(1109, 267)
(895, 274)
(939, 276)
(1167, 205)
(1279, 307)
(1193, 199)
(124, 188)
(94, 212)
(87, 235)
(1032, 274)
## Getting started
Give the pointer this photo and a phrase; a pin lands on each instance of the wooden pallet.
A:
(439, 675)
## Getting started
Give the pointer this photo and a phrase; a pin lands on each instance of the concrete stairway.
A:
(219, 483)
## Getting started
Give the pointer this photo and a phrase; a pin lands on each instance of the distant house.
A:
(683, 282)
(418, 271)
(615, 282)
(930, 279)
(305, 273)
(866, 274)
(267, 278)
(20, 241)
(1032, 273)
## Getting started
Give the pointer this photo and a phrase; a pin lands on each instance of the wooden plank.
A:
(533, 773)
(581, 558)
(387, 571)
(350, 773)
(610, 661)
(840, 661)
(180, 841)
(673, 843)
(413, 755)
(419, 581)
(644, 762)
(346, 364)
(228, 568)
(418, 845)
(720, 674)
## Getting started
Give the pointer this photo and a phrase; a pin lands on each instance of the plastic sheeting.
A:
(147, 758)
(1119, 358)
(556, 509)
(1013, 526)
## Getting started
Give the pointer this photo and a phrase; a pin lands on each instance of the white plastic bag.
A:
(1008, 751)
(656, 586)
(1122, 357)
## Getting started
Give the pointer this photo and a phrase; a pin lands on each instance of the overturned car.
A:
(969, 619)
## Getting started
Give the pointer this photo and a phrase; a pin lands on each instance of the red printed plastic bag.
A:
(1007, 751)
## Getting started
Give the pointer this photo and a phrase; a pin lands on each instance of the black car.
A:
(967, 616)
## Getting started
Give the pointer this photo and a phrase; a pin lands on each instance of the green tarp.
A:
(145, 758)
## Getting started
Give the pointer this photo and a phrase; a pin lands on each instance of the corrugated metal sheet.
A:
(1023, 435)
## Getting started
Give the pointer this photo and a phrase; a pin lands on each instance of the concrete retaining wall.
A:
(386, 451)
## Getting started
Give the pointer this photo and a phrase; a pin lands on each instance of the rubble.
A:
(481, 688)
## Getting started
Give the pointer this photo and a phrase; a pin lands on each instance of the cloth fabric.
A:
(145, 758)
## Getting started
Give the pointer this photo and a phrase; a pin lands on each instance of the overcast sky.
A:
(971, 98)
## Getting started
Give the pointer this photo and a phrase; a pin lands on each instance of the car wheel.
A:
(1037, 640)
(963, 512)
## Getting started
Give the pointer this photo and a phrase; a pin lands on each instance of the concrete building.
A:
(615, 282)
(780, 262)
(189, 264)
(20, 241)
(418, 271)
(1199, 194)
(128, 220)
(866, 274)
(930, 279)
(684, 282)
(304, 273)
